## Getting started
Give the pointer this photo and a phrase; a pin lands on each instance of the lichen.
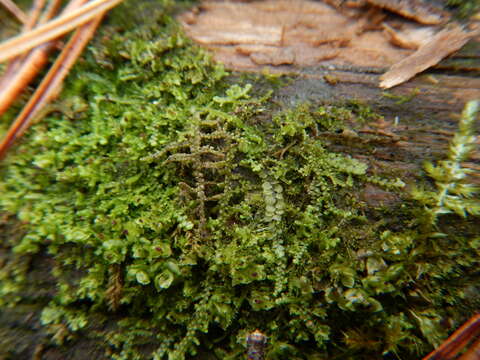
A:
(184, 211)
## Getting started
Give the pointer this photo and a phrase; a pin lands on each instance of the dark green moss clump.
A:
(182, 215)
(465, 8)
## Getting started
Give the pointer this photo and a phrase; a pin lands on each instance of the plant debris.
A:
(28, 53)
(432, 52)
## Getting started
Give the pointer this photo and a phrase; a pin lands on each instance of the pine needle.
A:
(22, 69)
(49, 87)
(15, 10)
(54, 28)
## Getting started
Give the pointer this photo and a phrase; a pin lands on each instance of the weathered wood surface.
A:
(286, 37)
(419, 117)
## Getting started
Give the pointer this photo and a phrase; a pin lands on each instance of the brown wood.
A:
(429, 54)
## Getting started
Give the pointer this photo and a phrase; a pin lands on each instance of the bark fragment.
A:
(413, 9)
(440, 46)
(410, 38)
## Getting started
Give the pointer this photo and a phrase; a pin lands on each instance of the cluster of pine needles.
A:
(27, 54)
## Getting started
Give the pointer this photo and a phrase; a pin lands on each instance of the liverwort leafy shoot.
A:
(454, 193)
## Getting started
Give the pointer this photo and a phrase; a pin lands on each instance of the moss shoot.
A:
(183, 215)
(465, 8)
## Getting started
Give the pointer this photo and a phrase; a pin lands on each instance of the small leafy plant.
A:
(454, 193)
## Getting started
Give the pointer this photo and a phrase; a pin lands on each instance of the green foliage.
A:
(466, 8)
(454, 192)
(185, 216)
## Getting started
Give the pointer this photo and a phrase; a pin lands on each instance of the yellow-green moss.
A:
(179, 208)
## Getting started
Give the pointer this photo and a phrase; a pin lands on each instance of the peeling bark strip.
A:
(413, 9)
(411, 38)
(442, 44)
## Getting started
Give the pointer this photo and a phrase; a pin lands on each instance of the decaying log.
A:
(320, 33)
(413, 9)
